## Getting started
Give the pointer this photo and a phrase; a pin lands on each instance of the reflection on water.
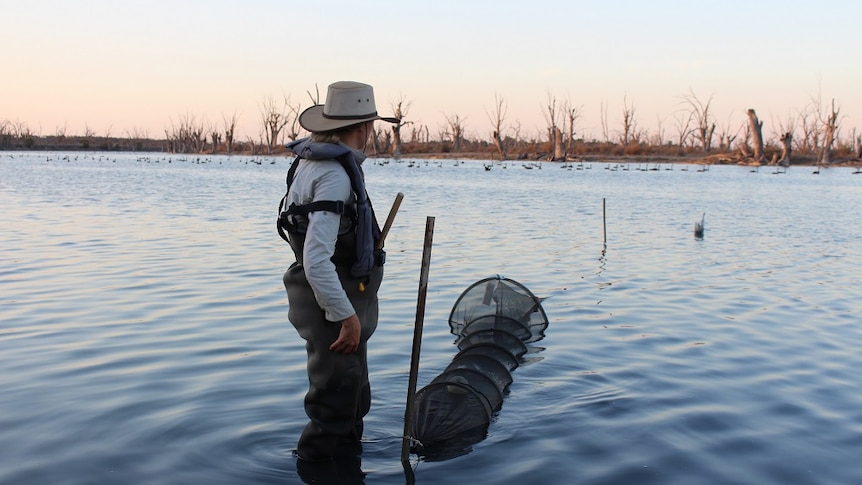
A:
(144, 336)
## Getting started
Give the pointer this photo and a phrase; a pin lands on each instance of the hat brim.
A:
(312, 119)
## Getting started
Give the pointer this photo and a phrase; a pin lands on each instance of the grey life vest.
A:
(354, 248)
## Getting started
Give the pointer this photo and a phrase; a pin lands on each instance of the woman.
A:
(332, 286)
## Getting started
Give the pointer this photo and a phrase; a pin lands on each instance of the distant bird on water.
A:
(698, 227)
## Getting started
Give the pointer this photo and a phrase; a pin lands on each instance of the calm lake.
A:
(144, 335)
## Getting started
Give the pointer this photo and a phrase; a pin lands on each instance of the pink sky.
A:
(136, 66)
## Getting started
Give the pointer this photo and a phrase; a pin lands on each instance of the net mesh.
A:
(493, 320)
(487, 365)
(499, 297)
(497, 352)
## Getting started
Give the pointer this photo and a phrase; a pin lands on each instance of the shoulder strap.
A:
(283, 221)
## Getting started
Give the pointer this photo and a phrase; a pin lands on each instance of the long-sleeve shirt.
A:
(318, 180)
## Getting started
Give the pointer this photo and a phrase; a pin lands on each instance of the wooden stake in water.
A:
(417, 341)
(604, 221)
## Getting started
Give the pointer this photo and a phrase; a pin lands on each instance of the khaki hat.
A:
(347, 103)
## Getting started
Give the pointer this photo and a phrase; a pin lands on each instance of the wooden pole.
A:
(604, 221)
(388, 225)
(389, 220)
(417, 341)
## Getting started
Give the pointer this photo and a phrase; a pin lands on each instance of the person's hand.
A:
(348, 338)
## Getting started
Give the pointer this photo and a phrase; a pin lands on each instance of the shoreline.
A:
(714, 159)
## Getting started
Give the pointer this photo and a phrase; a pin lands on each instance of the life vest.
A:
(355, 246)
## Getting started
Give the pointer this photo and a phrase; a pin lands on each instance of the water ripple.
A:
(144, 334)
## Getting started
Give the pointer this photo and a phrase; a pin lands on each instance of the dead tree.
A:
(786, 148)
(857, 144)
(60, 131)
(744, 148)
(399, 110)
(682, 122)
(558, 144)
(315, 98)
(830, 128)
(215, 135)
(186, 136)
(6, 134)
(456, 128)
(725, 137)
(88, 132)
(387, 142)
(252, 145)
(702, 117)
(275, 117)
(573, 114)
(291, 129)
(756, 129)
(658, 138)
(515, 130)
(135, 136)
(497, 119)
(603, 108)
(629, 123)
(809, 142)
(381, 141)
(553, 130)
(229, 127)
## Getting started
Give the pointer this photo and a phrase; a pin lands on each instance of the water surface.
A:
(144, 335)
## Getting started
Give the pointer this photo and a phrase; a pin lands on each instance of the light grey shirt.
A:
(317, 180)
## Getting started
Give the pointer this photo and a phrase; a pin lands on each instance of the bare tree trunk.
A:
(699, 112)
(396, 136)
(169, 139)
(683, 127)
(744, 149)
(274, 118)
(399, 110)
(809, 131)
(573, 113)
(857, 146)
(387, 142)
(628, 122)
(499, 117)
(500, 144)
(558, 144)
(456, 126)
(229, 130)
(786, 148)
(216, 138)
(707, 136)
(756, 127)
(553, 129)
(604, 119)
(375, 141)
(830, 127)
(726, 138)
(188, 135)
(292, 127)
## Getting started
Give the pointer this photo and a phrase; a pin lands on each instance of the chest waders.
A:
(339, 394)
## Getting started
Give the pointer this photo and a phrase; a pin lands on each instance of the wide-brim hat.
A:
(347, 103)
